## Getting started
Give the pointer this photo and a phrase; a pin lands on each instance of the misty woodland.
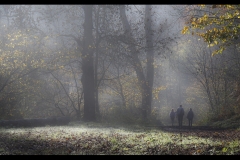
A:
(120, 79)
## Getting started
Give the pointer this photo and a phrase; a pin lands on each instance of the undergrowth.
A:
(233, 122)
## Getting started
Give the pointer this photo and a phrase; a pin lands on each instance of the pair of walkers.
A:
(179, 114)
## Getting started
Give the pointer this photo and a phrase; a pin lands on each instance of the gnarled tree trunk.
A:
(145, 83)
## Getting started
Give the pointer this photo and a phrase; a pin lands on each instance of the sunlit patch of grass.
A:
(91, 138)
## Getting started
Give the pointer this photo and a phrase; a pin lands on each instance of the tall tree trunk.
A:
(135, 61)
(96, 64)
(150, 56)
(88, 66)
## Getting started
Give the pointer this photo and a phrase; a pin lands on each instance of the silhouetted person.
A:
(190, 116)
(180, 113)
(172, 116)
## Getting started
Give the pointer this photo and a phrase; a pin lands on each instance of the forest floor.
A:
(98, 139)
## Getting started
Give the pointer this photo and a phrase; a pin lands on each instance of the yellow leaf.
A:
(185, 29)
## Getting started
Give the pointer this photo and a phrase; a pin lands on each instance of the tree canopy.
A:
(218, 25)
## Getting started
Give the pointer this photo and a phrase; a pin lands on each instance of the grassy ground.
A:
(96, 139)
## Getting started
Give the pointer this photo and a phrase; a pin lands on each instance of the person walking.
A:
(180, 114)
(190, 116)
(172, 116)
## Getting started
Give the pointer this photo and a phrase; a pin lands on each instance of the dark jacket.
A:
(172, 114)
(190, 114)
(180, 111)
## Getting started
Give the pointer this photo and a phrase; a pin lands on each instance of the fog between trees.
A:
(110, 63)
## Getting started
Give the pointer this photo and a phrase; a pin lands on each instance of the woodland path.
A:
(204, 132)
(193, 128)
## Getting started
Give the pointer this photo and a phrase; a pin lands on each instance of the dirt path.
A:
(204, 132)
(193, 128)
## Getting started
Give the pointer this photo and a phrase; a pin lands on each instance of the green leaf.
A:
(224, 149)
